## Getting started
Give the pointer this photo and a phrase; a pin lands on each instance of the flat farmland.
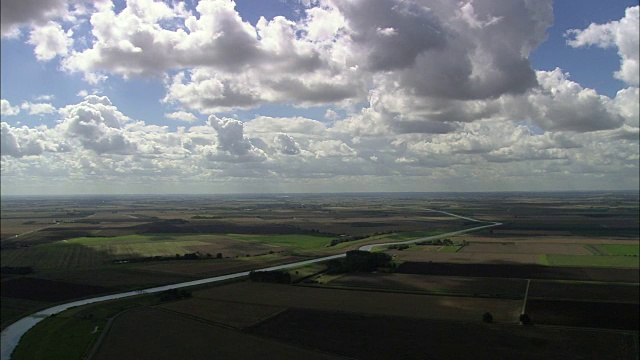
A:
(484, 237)
(14, 227)
(584, 231)
(13, 309)
(93, 252)
(212, 267)
(35, 289)
(565, 290)
(47, 257)
(124, 277)
(163, 335)
(451, 285)
(607, 315)
(541, 250)
(591, 261)
(521, 271)
(620, 250)
(368, 336)
(461, 257)
(525, 248)
(234, 314)
(385, 303)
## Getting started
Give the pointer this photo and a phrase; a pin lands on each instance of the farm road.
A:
(11, 335)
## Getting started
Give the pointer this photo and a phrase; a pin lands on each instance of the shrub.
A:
(487, 317)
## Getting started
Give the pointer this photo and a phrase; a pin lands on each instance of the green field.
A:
(91, 252)
(450, 249)
(295, 242)
(588, 260)
(621, 250)
(410, 235)
(78, 335)
(14, 309)
(71, 334)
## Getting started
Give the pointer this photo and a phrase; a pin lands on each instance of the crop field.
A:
(450, 285)
(201, 268)
(80, 334)
(585, 291)
(450, 249)
(525, 248)
(97, 252)
(124, 277)
(13, 309)
(414, 305)
(590, 261)
(607, 315)
(575, 246)
(621, 250)
(432, 253)
(47, 290)
(382, 337)
(161, 335)
(521, 271)
(295, 242)
(71, 334)
(234, 314)
(544, 252)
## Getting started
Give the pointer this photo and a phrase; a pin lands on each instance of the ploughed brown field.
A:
(524, 248)
(238, 315)
(148, 333)
(626, 293)
(48, 290)
(521, 271)
(364, 336)
(589, 314)
(351, 323)
(452, 285)
(371, 302)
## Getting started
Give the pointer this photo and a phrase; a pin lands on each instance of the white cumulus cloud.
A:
(621, 34)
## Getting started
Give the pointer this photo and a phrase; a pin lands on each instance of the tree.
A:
(525, 319)
(487, 317)
(219, 255)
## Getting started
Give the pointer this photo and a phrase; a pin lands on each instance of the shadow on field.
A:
(510, 270)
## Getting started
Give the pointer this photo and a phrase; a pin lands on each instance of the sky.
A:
(277, 96)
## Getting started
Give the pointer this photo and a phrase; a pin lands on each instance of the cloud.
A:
(561, 104)
(232, 145)
(415, 95)
(286, 144)
(23, 141)
(45, 97)
(38, 108)
(628, 106)
(331, 55)
(50, 40)
(331, 148)
(389, 35)
(133, 42)
(94, 139)
(15, 13)
(261, 125)
(622, 34)
(485, 62)
(7, 109)
(182, 116)
(8, 142)
(97, 125)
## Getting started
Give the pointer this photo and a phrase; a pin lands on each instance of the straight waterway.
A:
(12, 334)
